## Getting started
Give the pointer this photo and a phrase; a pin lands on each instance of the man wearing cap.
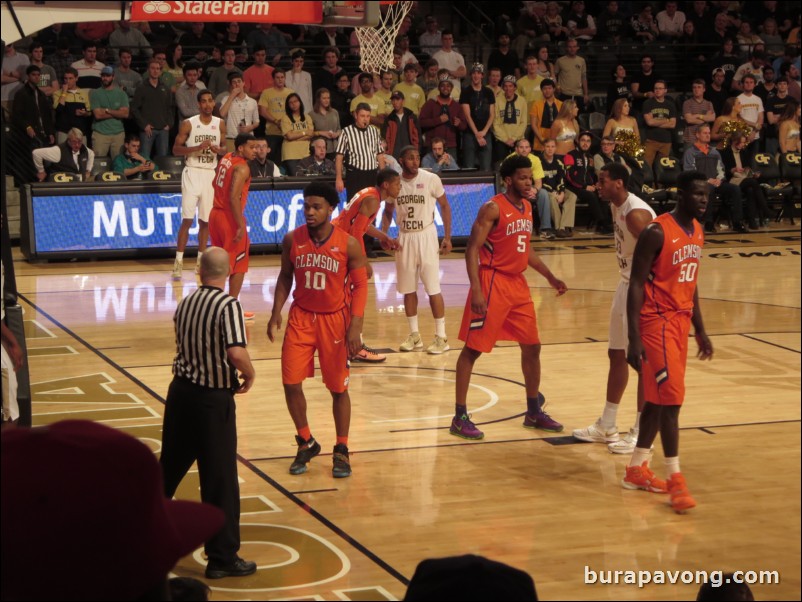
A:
(479, 105)
(442, 117)
(401, 126)
(510, 119)
(413, 94)
(109, 107)
(543, 112)
(200, 413)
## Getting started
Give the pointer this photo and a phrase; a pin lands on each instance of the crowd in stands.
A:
(295, 87)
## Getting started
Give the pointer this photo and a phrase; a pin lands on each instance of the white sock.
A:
(179, 256)
(413, 323)
(639, 456)
(200, 254)
(609, 415)
(672, 465)
(440, 327)
(636, 426)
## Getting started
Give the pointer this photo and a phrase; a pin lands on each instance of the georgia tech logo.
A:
(792, 158)
(110, 176)
(762, 158)
(161, 175)
(64, 177)
(668, 162)
(156, 7)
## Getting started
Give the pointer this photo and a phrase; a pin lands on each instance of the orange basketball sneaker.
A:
(642, 477)
(681, 500)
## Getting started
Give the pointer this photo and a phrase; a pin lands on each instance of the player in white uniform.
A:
(418, 257)
(201, 139)
(630, 216)
(11, 360)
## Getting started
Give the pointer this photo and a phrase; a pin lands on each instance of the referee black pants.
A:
(200, 424)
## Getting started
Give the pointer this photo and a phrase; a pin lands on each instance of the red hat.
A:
(84, 515)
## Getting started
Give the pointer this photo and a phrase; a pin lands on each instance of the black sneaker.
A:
(342, 467)
(238, 568)
(306, 451)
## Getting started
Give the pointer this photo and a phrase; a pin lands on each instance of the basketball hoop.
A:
(376, 44)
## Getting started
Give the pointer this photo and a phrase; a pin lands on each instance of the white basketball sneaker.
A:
(412, 343)
(178, 268)
(438, 346)
(596, 433)
(625, 444)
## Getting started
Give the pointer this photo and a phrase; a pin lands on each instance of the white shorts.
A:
(9, 380)
(197, 192)
(418, 259)
(618, 336)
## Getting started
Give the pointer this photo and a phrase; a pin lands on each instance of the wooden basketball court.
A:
(100, 338)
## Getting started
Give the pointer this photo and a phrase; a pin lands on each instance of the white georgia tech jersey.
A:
(205, 159)
(624, 240)
(415, 203)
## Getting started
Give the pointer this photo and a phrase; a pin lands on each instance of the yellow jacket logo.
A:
(64, 177)
(161, 175)
(110, 176)
(762, 158)
(792, 158)
(668, 162)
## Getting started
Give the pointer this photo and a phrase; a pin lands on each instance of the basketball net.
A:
(376, 44)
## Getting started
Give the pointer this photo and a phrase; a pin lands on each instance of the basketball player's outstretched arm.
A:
(486, 220)
(541, 268)
(445, 213)
(705, 346)
(283, 286)
(650, 242)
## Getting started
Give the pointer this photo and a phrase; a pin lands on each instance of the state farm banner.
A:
(221, 10)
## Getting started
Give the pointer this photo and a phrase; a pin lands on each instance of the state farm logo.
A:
(156, 7)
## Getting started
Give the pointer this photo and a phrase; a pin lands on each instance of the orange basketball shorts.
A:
(510, 313)
(222, 230)
(666, 345)
(308, 332)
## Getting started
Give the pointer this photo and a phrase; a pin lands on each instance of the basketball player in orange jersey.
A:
(358, 217)
(662, 303)
(227, 227)
(499, 305)
(326, 262)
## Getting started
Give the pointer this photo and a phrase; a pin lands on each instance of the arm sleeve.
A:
(359, 291)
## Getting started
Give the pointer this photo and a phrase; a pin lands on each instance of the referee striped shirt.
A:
(207, 323)
(360, 147)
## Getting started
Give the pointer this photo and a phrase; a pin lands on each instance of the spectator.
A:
(511, 119)
(70, 157)
(238, 109)
(722, 29)
(727, 60)
(385, 91)
(790, 73)
(272, 110)
(442, 117)
(88, 67)
(642, 83)
(130, 163)
(401, 126)
(48, 81)
(271, 39)
(437, 159)
(730, 113)
(543, 113)
(110, 107)
(660, 116)
(611, 25)
(545, 68)
(775, 106)
(772, 39)
(234, 39)
(448, 58)
(197, 42)
(298, 129)
(479, 106)
(727, 590)
(51, 36)
(538, 196)
(618, 88)
(316, 164)
(330, 71)
(158, 33)
(96, 32)
(174, 65)
(70, 482)
(259, 76)
(31, 112)
(789, 128)
(700, 15)
(581, 179)
(694, 53)
(670, 22)
(621, 120)
(407, 58)
(563, 202)
(717, 93)
(214, 62)
(572, 76)
(565, 128)
(61, 59)
(298, 79)
(643, 25)
(530, 28)
(369, 98)
(326, 120)
(696, 111)
(529, 85)
(186, 96)
(580, 24)
(14, 64)
(261, 166)
(72, 107)
(152, 108)
(129, 37)
(752, 110)
(125, 77)
(341, 98)
(554, 21)
(768, 87)
(330, 37)
(494, 82)
(431, 39)
(218, 82)
(607, 155)
(429, 80)
(753, 67)
(737, 159)
(747, 39)
(413, 94)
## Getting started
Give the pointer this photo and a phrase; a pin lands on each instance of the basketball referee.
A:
(359, 152)
(200, 417)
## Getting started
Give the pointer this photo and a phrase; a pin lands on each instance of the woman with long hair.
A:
(545, 68)
(619, 86)
(620, 119)
(298, 129)
(737, 159)
(565, 128)
(326, 120)
(789, 127)
(643, 25)
(175, 66)
(728, 123)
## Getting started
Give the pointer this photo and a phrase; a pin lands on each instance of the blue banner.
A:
(132, 220)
